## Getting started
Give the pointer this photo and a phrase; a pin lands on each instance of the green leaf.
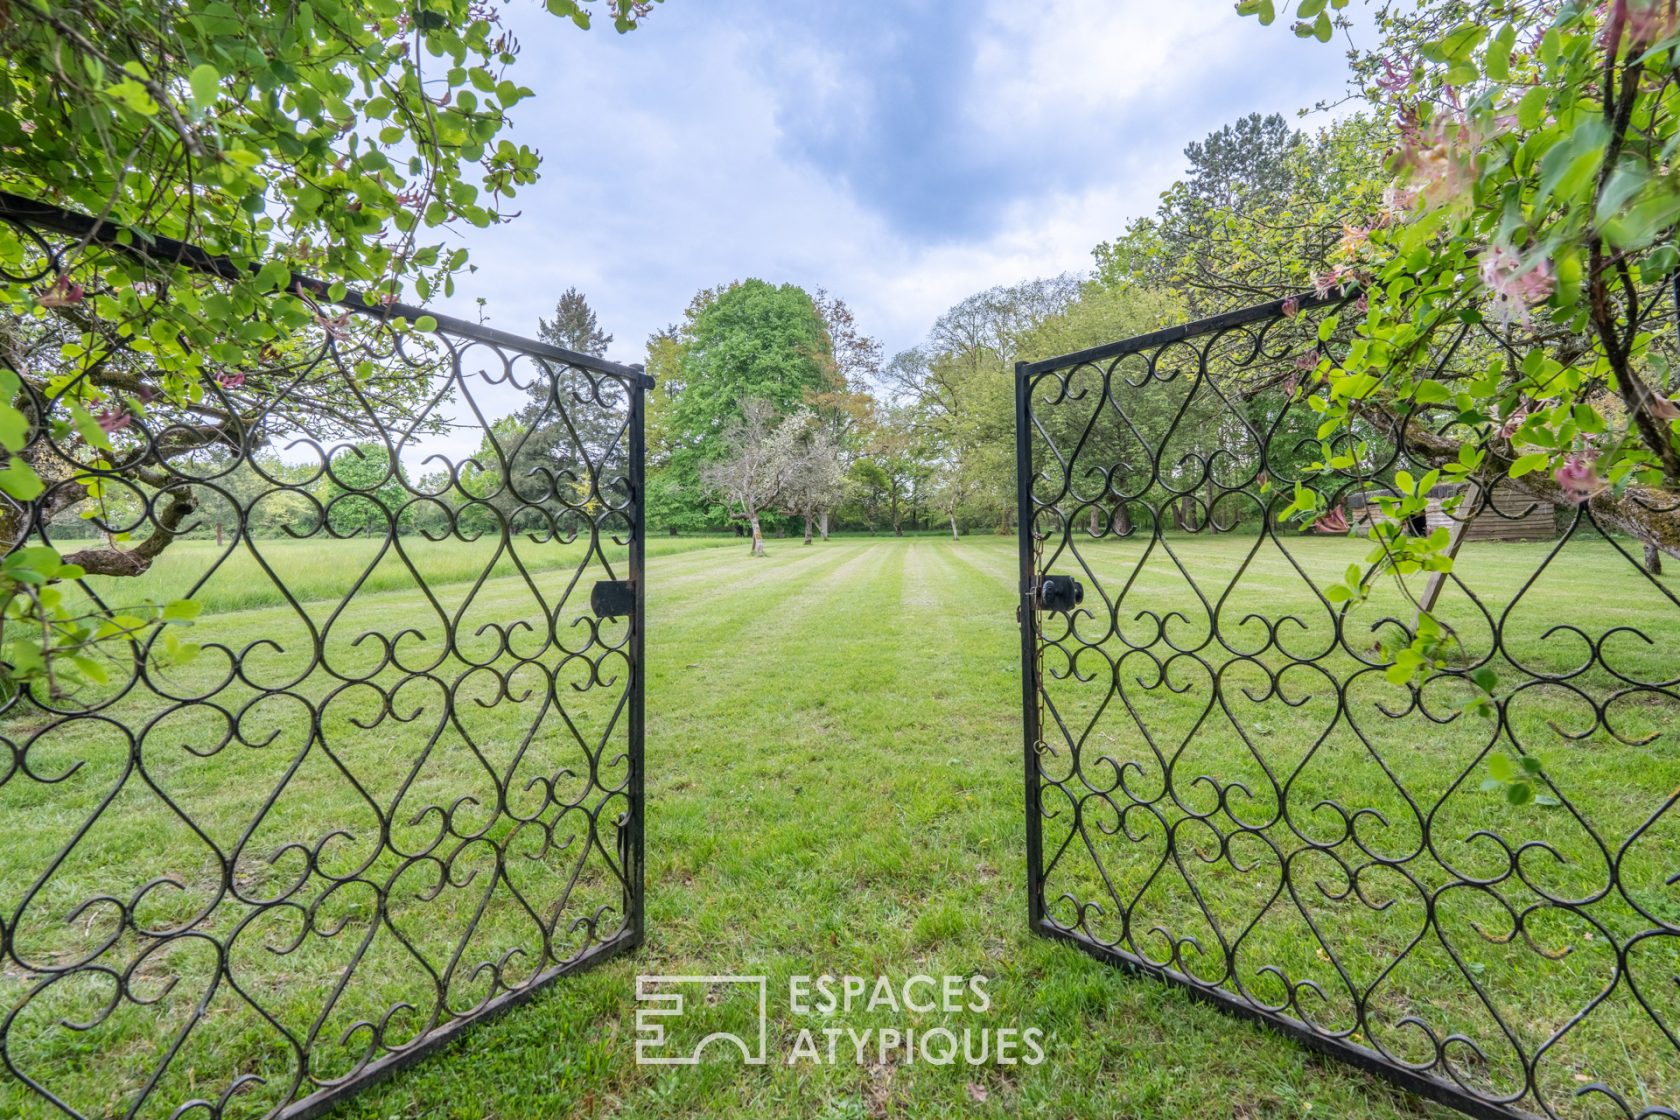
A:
(91, 668)
(1531, 110)
(87, 426)
(1530, 463)
(273, 276)
(182, 610)
(1519, 794)
(19, 479)
(14, 427)
(205, 82)
(1567, 170)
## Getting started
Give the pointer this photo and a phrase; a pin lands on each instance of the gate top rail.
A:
(1242, 317)
(31, 214)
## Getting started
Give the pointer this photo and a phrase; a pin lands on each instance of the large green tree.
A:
(956, 393)
(750, 340)
(1260, 210)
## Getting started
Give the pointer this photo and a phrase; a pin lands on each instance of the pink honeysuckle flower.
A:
(230, 380)
(1291, 307)
(113, 419)
(1396, 75)
(1578, 475)
(1362, 305)
(1397, 202)
(1440, 160)
(338, 326)
(62, 293)
(1516, 286)
(1354, 238)
(1513, 422)
(1666, 409)
(1333, 522)
(1342, 275)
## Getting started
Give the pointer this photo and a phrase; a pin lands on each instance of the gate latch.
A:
(613, 598)
(1060, 593)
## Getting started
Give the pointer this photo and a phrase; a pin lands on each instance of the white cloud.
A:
(666, 168)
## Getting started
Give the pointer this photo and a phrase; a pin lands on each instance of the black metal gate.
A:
(399, 786)
(1228, 790)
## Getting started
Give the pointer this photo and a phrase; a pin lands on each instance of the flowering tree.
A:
(332, 137)
(760, 463)
(1518, 282)
(816, 477)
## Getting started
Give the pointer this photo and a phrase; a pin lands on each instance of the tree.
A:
(816, 476)
(893, 449)
(953, 485)
(365, 491)
(570, 423)
(1515, 318)
(857, 356)
(758, 463)
(327, 137)
(745, 341)
(1260, 211)
(574, 326)
(956, 395)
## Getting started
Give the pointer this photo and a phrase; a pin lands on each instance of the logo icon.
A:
(670, 1000)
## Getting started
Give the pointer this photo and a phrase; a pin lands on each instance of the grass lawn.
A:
(834, 786)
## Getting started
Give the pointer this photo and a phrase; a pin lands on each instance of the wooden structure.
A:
(1505, 516)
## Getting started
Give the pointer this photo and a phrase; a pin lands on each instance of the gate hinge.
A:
(613, 598)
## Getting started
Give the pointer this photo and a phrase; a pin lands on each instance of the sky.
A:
(902, 154)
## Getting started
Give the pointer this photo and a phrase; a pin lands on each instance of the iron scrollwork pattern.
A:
(1225, 789)
(399, 787)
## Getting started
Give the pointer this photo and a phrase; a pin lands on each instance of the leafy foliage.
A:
(1517, 315)
(315, 136)
(1260, 210)
(747, 341)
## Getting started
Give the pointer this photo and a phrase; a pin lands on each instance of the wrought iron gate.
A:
(1225, 790)
(399, 787)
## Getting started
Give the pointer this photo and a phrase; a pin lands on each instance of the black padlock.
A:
(1060, 593)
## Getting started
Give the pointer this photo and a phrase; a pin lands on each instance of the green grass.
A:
(834, 786)
(232, 577)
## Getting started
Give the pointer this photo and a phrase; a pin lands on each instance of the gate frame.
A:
(35, 216)
(1026, 374)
